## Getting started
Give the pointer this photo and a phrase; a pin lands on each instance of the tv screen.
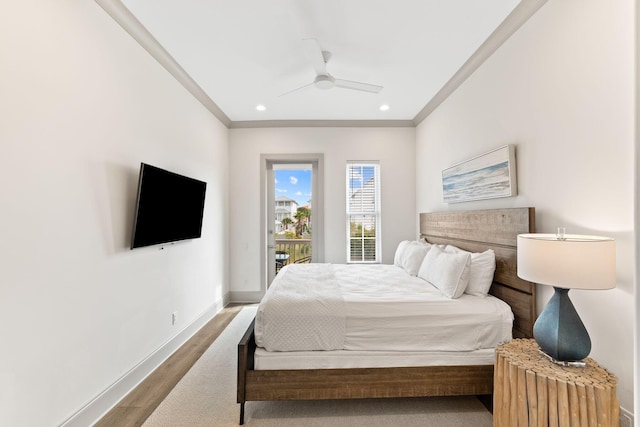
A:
(169, 207)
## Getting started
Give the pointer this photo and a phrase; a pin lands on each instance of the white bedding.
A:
(346, 359)
(303, 310)
(373, 308)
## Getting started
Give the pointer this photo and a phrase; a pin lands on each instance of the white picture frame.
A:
(488, 176)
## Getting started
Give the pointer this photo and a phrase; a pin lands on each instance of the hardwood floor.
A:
(136, 407)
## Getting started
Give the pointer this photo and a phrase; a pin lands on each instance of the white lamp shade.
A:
(574, 262)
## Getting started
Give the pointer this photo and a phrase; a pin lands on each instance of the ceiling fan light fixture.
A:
(323, 79)
(384, 107)
(260, 107)
(324, 82)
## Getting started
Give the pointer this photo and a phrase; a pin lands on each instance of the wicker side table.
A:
(530, 390)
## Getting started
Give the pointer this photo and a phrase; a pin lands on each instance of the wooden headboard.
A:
(497, 229)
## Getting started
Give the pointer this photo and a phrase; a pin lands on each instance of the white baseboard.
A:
(105, 401)
(245, 297)
(626, 418)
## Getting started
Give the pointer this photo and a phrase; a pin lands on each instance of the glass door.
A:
(293, 214)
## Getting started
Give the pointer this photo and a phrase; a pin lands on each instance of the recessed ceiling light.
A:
(260, 107)
(384, 107)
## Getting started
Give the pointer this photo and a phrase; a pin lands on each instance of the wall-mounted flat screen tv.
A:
(169, 207)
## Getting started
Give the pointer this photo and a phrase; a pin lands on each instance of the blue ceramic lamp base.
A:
(560, 333)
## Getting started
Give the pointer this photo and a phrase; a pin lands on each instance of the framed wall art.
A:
(487, 176)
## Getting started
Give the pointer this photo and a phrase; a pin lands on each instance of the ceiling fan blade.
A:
(296, 89)
(317, 57)
(365, 87)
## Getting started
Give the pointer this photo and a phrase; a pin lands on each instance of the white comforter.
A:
(373, 307)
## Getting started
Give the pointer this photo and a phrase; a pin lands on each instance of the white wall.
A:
(393, 147)
(562, 90)
(82, 104)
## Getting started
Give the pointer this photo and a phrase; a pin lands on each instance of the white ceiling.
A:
(248, 52)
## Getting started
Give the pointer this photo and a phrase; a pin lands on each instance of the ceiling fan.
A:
(323, 79)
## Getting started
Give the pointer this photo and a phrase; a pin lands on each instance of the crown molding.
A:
(131, 25)
(521, 14)
(320, 123)
(123, 16)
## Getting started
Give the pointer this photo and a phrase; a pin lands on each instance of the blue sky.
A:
(294, 184)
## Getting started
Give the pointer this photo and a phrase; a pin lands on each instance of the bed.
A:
(473, 231)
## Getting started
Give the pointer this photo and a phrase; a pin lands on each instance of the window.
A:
(363, 212)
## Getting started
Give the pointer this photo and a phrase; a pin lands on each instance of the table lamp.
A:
(566, 262)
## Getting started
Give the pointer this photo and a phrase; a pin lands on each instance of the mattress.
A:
(347, 359)
(373, 308)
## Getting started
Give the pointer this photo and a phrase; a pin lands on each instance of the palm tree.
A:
(286, 222)
(301, 216)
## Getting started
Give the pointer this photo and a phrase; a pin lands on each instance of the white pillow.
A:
(449, 272)
(412, 257)
(402, 246)
(483, 266)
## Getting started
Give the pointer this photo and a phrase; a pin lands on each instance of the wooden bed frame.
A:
(474, 231)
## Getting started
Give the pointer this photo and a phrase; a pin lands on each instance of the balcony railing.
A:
(298, 251)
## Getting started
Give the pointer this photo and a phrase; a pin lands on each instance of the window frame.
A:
(375, 214)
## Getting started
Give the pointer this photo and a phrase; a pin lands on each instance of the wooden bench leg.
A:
(241, 413)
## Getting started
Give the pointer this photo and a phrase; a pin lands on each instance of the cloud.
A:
(299, 193)
(293, 180)
(280, 190)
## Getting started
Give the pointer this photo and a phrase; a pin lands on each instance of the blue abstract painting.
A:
(488, 176)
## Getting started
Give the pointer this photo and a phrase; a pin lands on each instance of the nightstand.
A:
(530, 390)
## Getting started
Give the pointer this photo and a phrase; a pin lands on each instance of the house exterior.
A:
(285, 207)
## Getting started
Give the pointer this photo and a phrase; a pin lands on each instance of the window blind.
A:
(363, 212)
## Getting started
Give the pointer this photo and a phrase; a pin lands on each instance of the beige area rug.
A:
(206, 396)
